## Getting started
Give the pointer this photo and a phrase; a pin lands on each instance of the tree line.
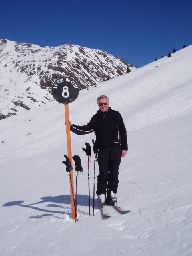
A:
(169, 54)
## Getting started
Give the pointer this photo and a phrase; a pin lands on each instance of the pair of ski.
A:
(105, 214)
(78, 169)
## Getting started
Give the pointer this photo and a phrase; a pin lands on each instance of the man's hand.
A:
(124, 153)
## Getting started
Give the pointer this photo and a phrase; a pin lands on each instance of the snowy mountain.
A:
(26, 69)
(129, 65)
(155, 176)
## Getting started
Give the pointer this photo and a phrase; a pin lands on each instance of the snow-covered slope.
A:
(26, 69)
(155, 177)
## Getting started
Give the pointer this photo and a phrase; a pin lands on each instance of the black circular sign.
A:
(65, 90)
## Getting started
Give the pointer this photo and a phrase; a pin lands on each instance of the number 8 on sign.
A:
(65, 93)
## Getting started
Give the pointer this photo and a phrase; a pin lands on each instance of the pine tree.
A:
(169, 54)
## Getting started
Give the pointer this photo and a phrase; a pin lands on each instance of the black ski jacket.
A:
(109, 129)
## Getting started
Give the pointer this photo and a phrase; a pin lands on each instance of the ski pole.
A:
(88, 153)
(89, 187)
(76, 200)
(94, 190)
(69, 168)
(79, 169)
(95, 150)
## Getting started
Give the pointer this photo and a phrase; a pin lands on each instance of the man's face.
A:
(103, 105)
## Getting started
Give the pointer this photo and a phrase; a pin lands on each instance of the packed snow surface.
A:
(155, 176)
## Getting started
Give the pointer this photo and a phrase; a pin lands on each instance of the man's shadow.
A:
(61, 202)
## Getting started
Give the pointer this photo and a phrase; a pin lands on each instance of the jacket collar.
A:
(101, 113)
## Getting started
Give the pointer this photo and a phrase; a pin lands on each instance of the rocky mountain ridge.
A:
(26, 69)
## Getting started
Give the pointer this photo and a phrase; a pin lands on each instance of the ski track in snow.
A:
(155, 177)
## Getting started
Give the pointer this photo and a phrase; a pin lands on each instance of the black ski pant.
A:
(109, 159)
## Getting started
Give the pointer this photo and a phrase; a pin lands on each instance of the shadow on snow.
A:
(60, 202)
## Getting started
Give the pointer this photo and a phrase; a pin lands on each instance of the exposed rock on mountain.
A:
(26, 69)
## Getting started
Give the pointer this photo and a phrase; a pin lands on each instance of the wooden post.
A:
(70, 157)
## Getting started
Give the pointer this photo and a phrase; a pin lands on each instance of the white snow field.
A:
(155, 176)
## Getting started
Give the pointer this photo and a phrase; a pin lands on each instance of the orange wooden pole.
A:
(70, 157)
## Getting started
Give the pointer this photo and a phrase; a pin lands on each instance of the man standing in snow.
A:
(111, 139)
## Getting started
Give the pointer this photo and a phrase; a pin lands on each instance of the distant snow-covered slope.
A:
(26, 69)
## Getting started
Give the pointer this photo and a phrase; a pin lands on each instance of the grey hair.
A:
(102, 97)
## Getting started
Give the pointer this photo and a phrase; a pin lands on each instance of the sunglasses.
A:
(101, 104)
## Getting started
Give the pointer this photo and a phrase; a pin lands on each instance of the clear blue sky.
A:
(137, 30)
